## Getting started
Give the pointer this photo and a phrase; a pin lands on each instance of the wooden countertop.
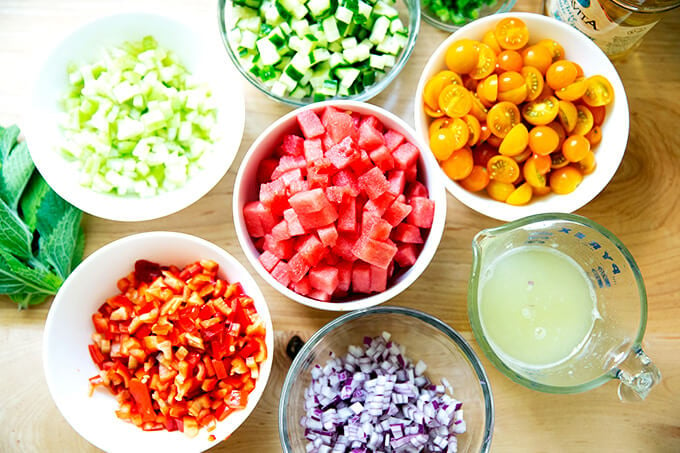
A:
(640, 206)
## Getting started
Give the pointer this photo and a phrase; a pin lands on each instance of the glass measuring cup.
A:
(611, 348)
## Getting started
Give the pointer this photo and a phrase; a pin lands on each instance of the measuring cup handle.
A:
(638, 375)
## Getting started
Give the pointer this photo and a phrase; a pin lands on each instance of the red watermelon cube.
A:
(405, 156)
(268, 260)
(407, 233)
(343, 154)
(310, 124)
(265, 170)
(343, 246)
(319, 295)
(258, 218)
(298, 186)
(281, 273)
(369, 137)
(361, 277)
(324, 278)
(344, 275)
(292, 145)
(422, 214)
(311, 249)
(374, 227)
(273, 195)
(411, 173)
(302, 287)
(282, 249)
(393, 139)
(373, 122)
(313, 150)
(347, 216)
(377, 253)
(382, 158)
(294, 226)
(378, 279)
(397, 181)
(406, 255)
(328, 235)
(339, 125)
(380, 204)
(363, 164)
(298, 267)
(373, 183)
(280, 231)
(397, 212)
(346, 178)
(288, 163)
(336, 194)
(314, 220)
(313, 200)
(416, 189)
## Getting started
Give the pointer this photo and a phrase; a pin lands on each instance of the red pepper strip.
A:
(140, 392)
(236, 400)
(220, 370)
(222, 412)
(96, 355)
(122, 370)
(206, 312)
(101, 324)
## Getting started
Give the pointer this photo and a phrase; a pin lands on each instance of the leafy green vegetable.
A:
(457, 12)
(41, 239)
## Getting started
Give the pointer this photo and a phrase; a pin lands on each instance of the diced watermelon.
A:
(369, 137)
(319, 295)
(310, 124)
(411, 173)
(293, 145)
(313, 150)
(298, 186)
(378, 279)
(416, 189)
(397, 181)
(405, 156)
(314, 220)
(290, 176)
(374, 252)
(375, 227)
(380, 204)
(363, 164)
(265, 170)
(273, 195)
(268, 260)
(343, 154)
(331, 259)
(258, 218)
(356, 117)
(317, 177)
(302, 287)
(393, 139)
(298, 267)
(343, 247)
(294, 226)
(406, 255)
(396, 213)
(382, 157)
(313, 200)
(328, 235)
(407, 233)
(281, 273)
(312, 250)
(346, 178)
(336, 194)
(280, 231)
(282, 249)
(324, 278)
(373, 122)
(422, 215)
(344, 275)
(373, 183)
(361, 277)
(288, 163)
(339, 125)
(347, 215)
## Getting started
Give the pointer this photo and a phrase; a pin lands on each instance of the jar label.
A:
(590, 17)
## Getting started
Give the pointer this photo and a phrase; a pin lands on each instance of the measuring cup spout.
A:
(638, 375)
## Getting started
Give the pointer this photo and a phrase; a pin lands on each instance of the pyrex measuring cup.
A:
(610, 348)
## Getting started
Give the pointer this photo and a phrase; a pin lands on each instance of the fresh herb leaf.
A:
(32, 198)
(7, 141)
(37, 279)
(26, 299)
(15, 236)
(50, 211)
(78, 250)
(56, 249)
(16, 170)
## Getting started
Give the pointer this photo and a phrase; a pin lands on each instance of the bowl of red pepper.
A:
(158, 341)
(450, 15)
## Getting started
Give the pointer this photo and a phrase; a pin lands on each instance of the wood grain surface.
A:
(640, 206)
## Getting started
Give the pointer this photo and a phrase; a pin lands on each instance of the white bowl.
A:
(246, 189)
(579, 48)
(200, 54)
(69, 328)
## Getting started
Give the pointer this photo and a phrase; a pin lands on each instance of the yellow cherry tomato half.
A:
(587, 164)
(436, 84)
(565, 180)
(477, 180)
(575, 148)
(532, 175)
(541, 112)
(478, 109)
(503, 169)
(459, 165)
(455, 101)
(598, 91)
(594, 136)
(462, 56)
(521, 195)
(487, 89)
(509, 60)
(512, 33)
(499, 191)
(538, 57)
(584, 120)
(437, 124)
(474, 129)
(502, 117)
(557, 160)
(490, 40)
(534, 82)
(515, 142)
(556, 50)
(486, 62)
(573, 91)
(568, 115)
(433, 113)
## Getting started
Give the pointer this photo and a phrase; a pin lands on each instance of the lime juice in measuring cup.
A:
(558, 304)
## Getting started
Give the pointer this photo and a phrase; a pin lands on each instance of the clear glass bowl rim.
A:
(431, 18)
(414, 11)
(455, 337)
(473, 316)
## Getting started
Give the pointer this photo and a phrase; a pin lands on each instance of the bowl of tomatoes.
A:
(158, 341)
(523, 115)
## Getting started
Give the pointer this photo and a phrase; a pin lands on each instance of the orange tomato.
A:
(502, 117)
(540, 112)
(436, 84)
(474, 129)
(438, 124)
(477, 180)
(565, 180)
(599, 112)
(584, 120)
(560, 74)
(534, 82)
(486, 63)
(521, 195)
(556, 50)
(478, 110)
(568, 115)
(455, 101)
(598, 91)
(587, 164)
(538, 57)
(512, 33)
(459, 165)
(510, 60)
(573, 91)
(515, 142)
(490, 40)
(543, 140)
(594, 136)
(512, 87)
(503, 169)
(499, 191)
(487, 89)
(462, 56)
(575, 148)
(557, 160)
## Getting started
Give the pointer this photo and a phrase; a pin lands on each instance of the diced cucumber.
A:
(330, 28)
(269, 54)
(344, 15)
(319, 8)
(347, 76)
(380, 27)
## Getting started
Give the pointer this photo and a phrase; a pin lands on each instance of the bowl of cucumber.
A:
(450, 15)
(299, 52)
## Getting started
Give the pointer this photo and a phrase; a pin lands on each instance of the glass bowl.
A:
(409, 11)
(425, 338)
(429, 16)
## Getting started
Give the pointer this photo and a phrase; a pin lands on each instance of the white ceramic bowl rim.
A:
(434, 185)
(609, 152)
(64, 376)
(200, 53)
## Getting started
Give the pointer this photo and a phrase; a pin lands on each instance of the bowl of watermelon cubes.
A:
(336, 207)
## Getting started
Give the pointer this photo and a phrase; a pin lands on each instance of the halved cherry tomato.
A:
(436, 84)
(556, 50)
(573, 91)
(512, 87)
(568, 115)
(587, 164)
(524, 155)
(515, 142)
(557, 127)
(502, 117)
(584, 120)
(541, 112)
(598, 91)
(462, 56)
(486, 63)
(560, 74)
(543, 140)
(455, 101)
(521, 195)
(557, 160)
(594, 136)
(478, 110)
(433, 113)
(490, 40)
(565, 180)
(538, 57)
(459, 165)
(534, 82)
(438, 124)
(542, 163)
(484, 132)
(503, 169)
(474, 128)
(512, 33)
(442, 143)
(487, 89)
(477, 180)
(575, 148)
(510, 60)
(499, 191)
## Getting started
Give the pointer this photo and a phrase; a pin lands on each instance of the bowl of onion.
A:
(389, 379)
